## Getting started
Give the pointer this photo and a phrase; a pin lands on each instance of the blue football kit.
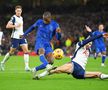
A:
(44, 35)
(99, 44)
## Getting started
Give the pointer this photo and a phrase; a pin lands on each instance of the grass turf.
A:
(15, 78)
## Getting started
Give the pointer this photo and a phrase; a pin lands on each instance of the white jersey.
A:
(1, 35)
(81, 56)
(19, 30)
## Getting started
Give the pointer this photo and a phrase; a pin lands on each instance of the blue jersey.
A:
(45, 33)
(99, 45)
(100, 41)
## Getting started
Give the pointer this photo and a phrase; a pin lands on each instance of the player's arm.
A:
(11, 24)
(30, 29)
(81, 44)
(89, 30)
(58, 33)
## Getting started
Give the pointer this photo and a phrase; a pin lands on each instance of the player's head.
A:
(101, 27)
(47, 17)
(18, 10)
(88, 46)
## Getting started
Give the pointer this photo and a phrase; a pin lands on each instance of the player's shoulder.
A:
(95, 32)
(39, 20)
(13, 16)
(53, 21)
(21, 17)
(12, 19)
(78, 45)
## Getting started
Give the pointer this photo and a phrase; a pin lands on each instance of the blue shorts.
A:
(46, 45)
(16, 42)
(78, 71)
(100, 49)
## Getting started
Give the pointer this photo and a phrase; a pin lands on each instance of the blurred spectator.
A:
(72, 25)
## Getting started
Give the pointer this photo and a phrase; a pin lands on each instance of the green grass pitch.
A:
(16, 78)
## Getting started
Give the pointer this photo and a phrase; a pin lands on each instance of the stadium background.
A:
(72, 15)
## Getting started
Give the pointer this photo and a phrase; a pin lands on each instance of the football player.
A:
(16, 24)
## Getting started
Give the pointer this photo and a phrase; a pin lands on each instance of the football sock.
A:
(26, 59)
(44, 63)
(103, 76)
(6, 58)
(43, 74)
(103, 58)
(43, 60)
(42, 66)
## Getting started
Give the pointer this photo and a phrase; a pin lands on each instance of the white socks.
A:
(104, 76)
(26, 60)
(5, 58)
(49, 67)
(43, 74)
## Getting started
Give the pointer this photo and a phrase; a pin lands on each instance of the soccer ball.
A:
(58, 54)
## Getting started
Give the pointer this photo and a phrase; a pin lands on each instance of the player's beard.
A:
(46, 21)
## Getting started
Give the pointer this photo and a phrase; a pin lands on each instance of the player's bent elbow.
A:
(7, 26)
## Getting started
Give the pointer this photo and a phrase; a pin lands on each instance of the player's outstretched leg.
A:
(96, 75)
(42, 66)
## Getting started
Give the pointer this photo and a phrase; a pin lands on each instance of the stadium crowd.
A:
(72, 26)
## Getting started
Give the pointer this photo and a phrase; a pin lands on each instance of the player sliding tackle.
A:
(76, 67)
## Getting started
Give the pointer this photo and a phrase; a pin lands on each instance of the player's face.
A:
(47, 20)
(101, 27)
(18, 11)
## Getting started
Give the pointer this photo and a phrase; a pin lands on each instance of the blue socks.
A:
(103, 58)
(44, 63)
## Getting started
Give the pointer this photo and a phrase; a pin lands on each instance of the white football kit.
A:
(81, 56)
(18, 30)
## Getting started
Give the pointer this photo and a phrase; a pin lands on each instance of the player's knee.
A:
(50, 60)
(104, 53)
(98, 74)
(41, 51)
(25, 52)
(11, 51)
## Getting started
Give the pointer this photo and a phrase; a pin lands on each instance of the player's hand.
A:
(88, 28)
(105, 35)
(21, 36)
(58, 30)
